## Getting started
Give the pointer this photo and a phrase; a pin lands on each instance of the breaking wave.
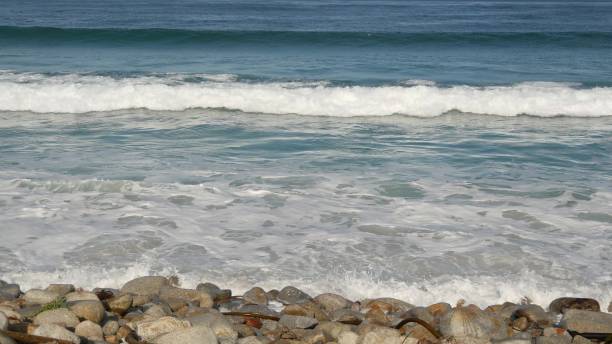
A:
(74, 93)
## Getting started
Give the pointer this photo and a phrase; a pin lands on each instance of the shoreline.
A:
(156, 309)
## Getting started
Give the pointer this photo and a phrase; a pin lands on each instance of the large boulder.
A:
(194, 335)
(255, 296)
(148, 330)
(387, 305)
(89, 330)
(559, 305)
(147, 285)
(57, 332)
(39, 296)
(587, 321)
(88, 310)
(61, 316)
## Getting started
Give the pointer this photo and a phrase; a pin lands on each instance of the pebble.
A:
(57, 332)
(60, 316)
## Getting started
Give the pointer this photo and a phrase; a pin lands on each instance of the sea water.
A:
(425, 150)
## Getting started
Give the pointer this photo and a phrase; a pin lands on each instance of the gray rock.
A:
(534, 314)
(148, 285)
(148, 330)
(581, 340)
(9, 291)
(250, 340)
(256, 296)
(61, 316)
(587, 321)
(348, 337)
(559, 305)
(11, 313)
(217, 323)
(332, 302)
(258, 309)
(89, 330)
(81, 296)
(332, 329)
(61, 289)
(156, 311)
(194, 335)
(57, 332)
(214, 291)
(202, 298)
(39, 297)
(553, 340)
(610, 307)
(292, 295)
(88, 310)
(110, 327)
(120, 304)
(296, 321)
(3, 322)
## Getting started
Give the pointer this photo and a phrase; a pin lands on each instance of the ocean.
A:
(424, 150)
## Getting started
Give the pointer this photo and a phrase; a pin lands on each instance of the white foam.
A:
(81, 94)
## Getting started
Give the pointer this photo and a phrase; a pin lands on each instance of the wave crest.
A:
(86, 93)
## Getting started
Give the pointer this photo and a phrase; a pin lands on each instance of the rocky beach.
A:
(157, 310)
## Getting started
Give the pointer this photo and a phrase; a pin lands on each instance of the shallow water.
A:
(452, 150)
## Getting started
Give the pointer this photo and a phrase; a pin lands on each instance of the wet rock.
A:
(307, 309)
(587, 321)
(251, 340)
(256, 296)
(6, 340)
(467, 322)
(88, 310)
(110, 327)
(39, 297)
(9, 291)
(194, 335)
(89, 330)
(332, 302)
(202, 298)
(11, 313)
(381, 335)
(120, 304)
(387, 305)
(559, 305)
(296, 321)
(148, 285)
(57, 332)
(348, 337)
(332, 329)
(3, 322)
(61, 316)
(347, 316)
(81, 296)
(214, 291)
(148, 330)
(60, 289)
(292, 295)
(217, 323)
(534, 314)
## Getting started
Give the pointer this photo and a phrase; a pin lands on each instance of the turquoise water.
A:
(424, 150)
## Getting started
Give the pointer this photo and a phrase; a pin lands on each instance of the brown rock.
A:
(587, 321)
(332, 302)
(307, 309)
(148, 285)
(387, 305)
(256, 296)
(202, 298)
(439, 309)
(520, 324)
(120, 304)
(88, 310)
(559, 305)
(89, 330)
(60, 289)
(61, 316)
(378, 317)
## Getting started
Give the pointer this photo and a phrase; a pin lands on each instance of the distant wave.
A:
(75, 93)
(175, 37)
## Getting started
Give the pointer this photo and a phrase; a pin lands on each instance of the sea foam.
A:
(86, 93)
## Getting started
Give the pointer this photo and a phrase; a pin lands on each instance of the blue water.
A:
(428, 150)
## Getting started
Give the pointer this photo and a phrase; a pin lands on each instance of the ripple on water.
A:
(401, 190)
